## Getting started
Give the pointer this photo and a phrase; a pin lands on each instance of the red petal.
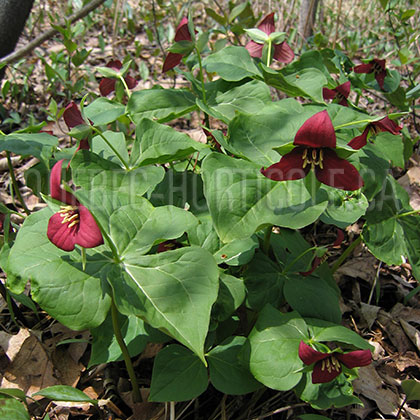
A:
(88, 235)
(344, 89)
(360, 141)
(380, 78)
(72, 116)
(340, 238)
(267, 24)
(338, 173)
(56, 190)
(315, 263)
(254, 49)
(328, 93)
(115, 64)
(182, 32)
(171, 61)
(59, 233)
(84, 145)
(379, 62)
(321, 376)
(356, 358)
(131, 82)
(343, 102)
(387, 124)
(106, 86)
(364, 68)
(289, 168)
(308, 355)
(283, 53)
(316, 131)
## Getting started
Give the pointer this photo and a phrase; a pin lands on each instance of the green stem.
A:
(352, 123)
(267, 236)
(345, 254)
(289, 266)
(408, 213)
(15, 184)
(269, 54)
(127, 90)
(125, 353)
(200, 64)
(112, 147)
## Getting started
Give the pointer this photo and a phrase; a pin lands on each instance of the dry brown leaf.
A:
(369, 384)
(413, 413)
(369, 313)
(412, 333)
(31, 368)
(360, 267)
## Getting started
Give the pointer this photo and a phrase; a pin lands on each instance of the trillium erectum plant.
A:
(375, 66)
(315, 147)
(107, 85)
(207, 247)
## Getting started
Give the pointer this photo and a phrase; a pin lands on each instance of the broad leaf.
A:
(227, 374)
(11, 409)
(230, 297)
(178, 375)
(103, 111)
(116, 148)
(161, 104)
(64, 393)
(157, 143)
(274, 342)
(237, 188)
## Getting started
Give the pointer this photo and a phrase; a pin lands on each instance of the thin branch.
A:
(50, 33)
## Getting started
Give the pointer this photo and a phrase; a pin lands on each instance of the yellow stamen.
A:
(73, 223)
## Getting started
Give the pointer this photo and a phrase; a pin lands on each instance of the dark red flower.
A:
(375, 66)
(168, 245)
(107, 85)
(317, 261)
(182, 34)
(315, 147)
(73, 224)
(341, 93)
(385, 124)
(282, 51)
(328, 365)
(73, 117)
(2, 219)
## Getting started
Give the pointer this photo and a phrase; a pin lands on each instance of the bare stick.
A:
(50, 33)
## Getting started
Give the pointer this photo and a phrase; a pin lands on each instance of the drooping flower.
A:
(340, 93)
(182, 33)
(73, 224)
(317, 261)
(385, 124)
(328, 365)
(73, 117)
(168, 245)
(315, 147)
(375, 66)
(107, 85)
(282, 51)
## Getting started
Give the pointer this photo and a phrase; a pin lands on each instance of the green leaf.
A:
(182, 47)
(274, 343)
(237, 252)
(157, 143)
(221, 20)
(40, 145)
(178, 375)
(64, 393)
(161, 104)
(411, 389)
(232, 63)
(75, 297)
(11, 409)
(344, 207)
(117, 140)
(264, 283)
(299, 292)
(237, 188)
(155, 287)
(257, 35)
(391, 147)
(230, 297)
(312, 417)
(414, 92)
(248, 98)
(136, 335)
(306, 82)
(103, 111)
(227, 374)
(13, 392)
(108, 72)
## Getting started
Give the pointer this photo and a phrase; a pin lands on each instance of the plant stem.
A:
(408, 213)
(289, 266)
(112, 147)
(127, 90)
(269, 54)
(125, 353)
(200, 64)
(267, 236)
(353, 123)
(15, 185)
(345, 254)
